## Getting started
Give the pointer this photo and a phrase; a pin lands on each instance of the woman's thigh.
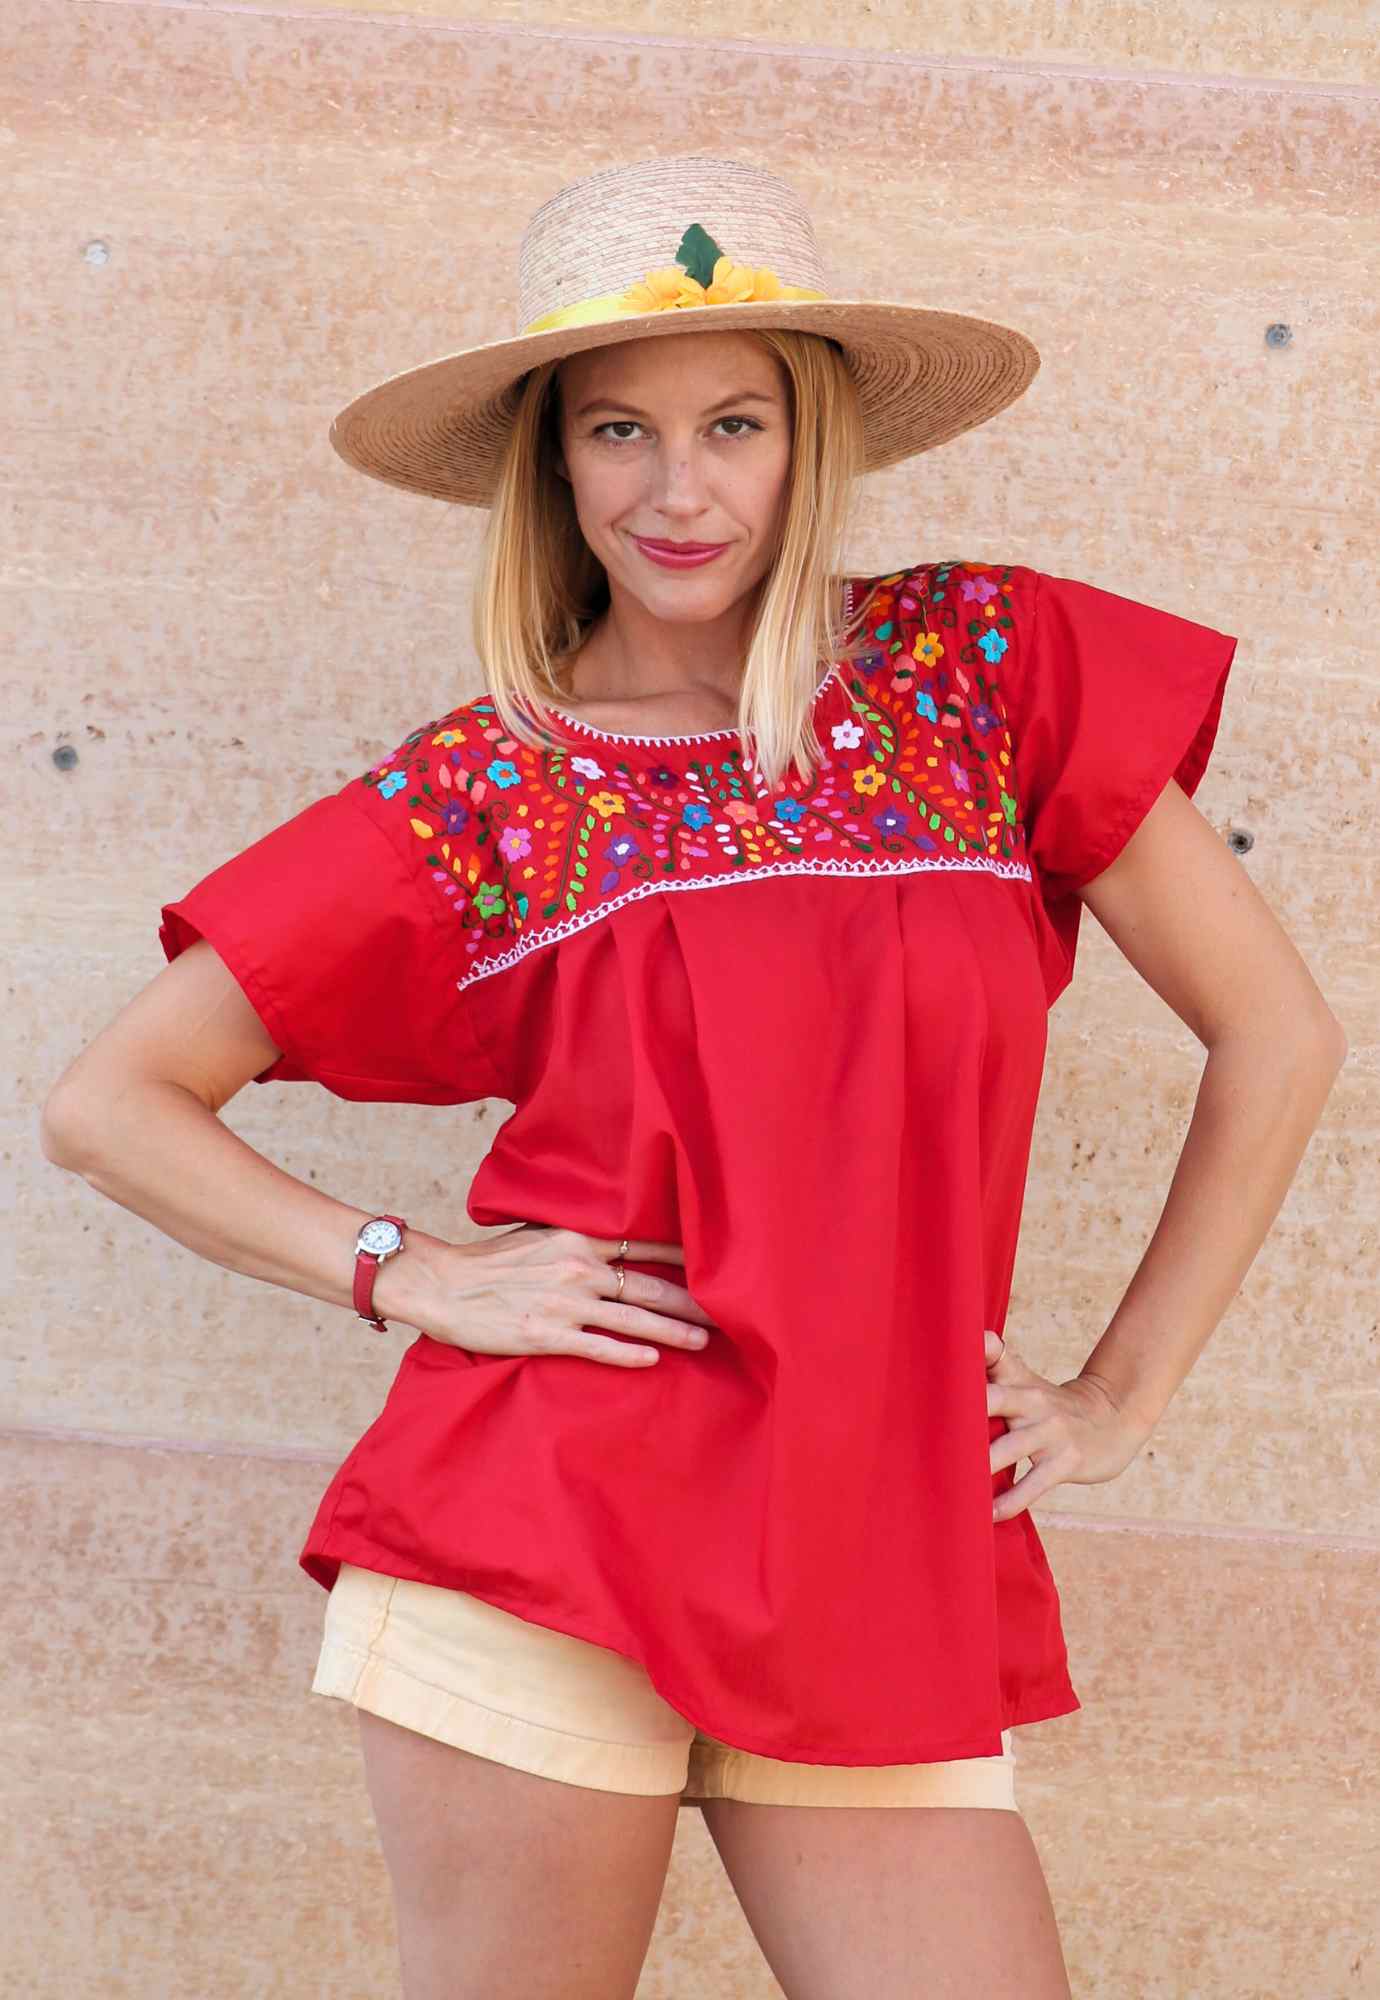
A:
(887, 1902)
(509, 1885)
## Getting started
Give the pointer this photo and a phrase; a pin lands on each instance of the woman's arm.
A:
(136, 1116)
(1184, 912)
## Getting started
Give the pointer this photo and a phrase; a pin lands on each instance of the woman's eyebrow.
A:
(739, 396)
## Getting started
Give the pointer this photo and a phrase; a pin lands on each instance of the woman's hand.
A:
(1071, 1430)
(535, 1289)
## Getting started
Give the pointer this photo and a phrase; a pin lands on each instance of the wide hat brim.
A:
(923, 376)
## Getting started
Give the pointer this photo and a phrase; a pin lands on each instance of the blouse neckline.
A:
(699, 735)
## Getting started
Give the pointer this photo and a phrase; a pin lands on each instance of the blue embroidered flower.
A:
(504, 773)
(924, 704)
(697, 815)
(992, 645)
(789, 810)
(394, 782)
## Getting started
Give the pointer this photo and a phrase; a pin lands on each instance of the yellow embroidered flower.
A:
(928, 646)
(606, 804)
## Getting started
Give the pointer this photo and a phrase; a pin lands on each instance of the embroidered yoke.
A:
(822, 1086)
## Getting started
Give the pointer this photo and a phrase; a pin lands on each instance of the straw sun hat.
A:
(683, 244)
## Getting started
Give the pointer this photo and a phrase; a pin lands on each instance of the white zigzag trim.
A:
(1014, 870)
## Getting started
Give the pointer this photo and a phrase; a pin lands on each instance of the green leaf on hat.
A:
(698, 254)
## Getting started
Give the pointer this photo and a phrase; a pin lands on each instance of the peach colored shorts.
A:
(471, 1674)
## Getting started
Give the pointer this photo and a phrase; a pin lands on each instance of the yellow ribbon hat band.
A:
(672, 286)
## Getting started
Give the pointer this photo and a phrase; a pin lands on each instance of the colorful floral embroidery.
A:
(529, 845)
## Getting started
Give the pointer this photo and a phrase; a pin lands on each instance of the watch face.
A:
(378, 1238)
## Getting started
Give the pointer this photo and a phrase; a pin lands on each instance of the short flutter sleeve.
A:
(1108, 700)
(338, 941)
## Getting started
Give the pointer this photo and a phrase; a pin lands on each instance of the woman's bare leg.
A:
(508, 1886)
(893, 1902)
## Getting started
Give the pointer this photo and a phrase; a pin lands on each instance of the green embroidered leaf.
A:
(698, 254)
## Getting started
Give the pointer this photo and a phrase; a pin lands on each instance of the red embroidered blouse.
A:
(823, 1088)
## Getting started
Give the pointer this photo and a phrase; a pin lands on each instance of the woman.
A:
(697, 1485)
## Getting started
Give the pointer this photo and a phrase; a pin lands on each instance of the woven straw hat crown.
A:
(602, 234)
(673, 245)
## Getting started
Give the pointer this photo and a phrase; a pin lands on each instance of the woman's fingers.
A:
(655, 1308)
(626, 1316)
(639, 1250)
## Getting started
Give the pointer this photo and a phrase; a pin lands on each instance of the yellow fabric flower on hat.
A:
(737, 283)
(704, 276)
(701, 276)
(663, 288)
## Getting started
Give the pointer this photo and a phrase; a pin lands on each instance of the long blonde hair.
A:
(540, 586)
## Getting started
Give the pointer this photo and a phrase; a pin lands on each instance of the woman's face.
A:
(684, 439)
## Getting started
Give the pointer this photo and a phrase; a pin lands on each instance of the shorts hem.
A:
(721, 1772)
(345, 1673)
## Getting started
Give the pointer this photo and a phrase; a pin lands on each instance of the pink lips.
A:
(679, 555)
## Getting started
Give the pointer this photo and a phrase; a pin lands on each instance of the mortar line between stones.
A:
(1293, 1538)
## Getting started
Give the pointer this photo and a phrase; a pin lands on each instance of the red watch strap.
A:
(366, 1268)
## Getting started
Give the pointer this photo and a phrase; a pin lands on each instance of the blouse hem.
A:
(1054, 1698)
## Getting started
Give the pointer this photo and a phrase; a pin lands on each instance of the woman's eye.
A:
(627, 424)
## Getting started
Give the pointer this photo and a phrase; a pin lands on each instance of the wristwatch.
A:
(379, 1239)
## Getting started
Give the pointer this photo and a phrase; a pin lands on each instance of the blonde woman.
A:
(748, 882)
